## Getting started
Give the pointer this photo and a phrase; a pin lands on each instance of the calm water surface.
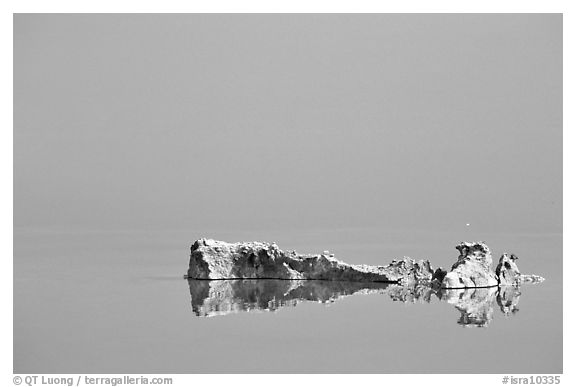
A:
(116, 302)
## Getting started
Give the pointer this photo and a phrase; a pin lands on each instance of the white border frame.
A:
(294, 6)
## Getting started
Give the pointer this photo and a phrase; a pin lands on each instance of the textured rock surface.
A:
(509, 275)
(438, 278)
(473, 269)
(254, 276)
(216, 260)
(530, 278)
(507, 271)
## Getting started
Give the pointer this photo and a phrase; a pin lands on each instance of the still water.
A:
(116, 302)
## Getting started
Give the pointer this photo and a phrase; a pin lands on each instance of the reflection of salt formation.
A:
(508, 299)
(410, 294)
(475, 305)
(222, 297)
(212, 298)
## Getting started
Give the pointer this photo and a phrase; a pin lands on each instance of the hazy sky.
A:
(223, 121)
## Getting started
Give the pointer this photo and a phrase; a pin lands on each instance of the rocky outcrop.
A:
(473, 269)
(254, 276)
(216, 260)
(509, 275)
(530, 278)
(438, 278)
(507, 271)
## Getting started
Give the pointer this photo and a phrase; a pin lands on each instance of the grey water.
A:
(115, 302)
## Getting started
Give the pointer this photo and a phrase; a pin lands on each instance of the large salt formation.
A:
(216, 260)
(255, 276)
(473, 269)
